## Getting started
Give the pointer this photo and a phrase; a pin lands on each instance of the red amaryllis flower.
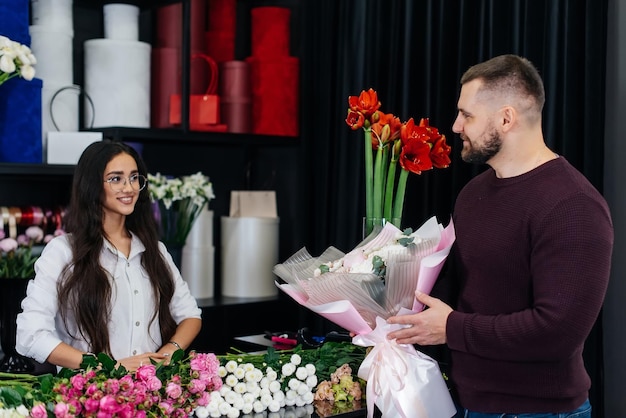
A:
(417, 147)
(366, 103)
(415, 156)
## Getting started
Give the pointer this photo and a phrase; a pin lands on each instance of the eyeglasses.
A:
(137, 182)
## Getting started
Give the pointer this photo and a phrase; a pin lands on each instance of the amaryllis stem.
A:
(379, 167)
(369, 175)
(399, 202)
(389, 188)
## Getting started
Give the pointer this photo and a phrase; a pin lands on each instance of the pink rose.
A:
(146, 372)
(204, 399)
(91, 406)
(112, 386)
(109, 405)
(154, 384)
(166, 407)
(39, 411)
(196, 386)
(62, 410)
(173, 390)
(78, 381)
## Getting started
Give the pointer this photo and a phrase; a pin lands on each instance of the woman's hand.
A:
(134, 362)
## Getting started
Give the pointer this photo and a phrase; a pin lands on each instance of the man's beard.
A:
(480, 155)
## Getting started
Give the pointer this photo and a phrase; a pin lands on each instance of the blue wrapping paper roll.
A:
(14, 20)
(20, 121)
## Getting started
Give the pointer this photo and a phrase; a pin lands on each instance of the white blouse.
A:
(40, 328)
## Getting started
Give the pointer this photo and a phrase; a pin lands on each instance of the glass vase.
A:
(374, 225)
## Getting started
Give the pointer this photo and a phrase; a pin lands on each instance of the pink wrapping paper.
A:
(401, 381)
(344, 313)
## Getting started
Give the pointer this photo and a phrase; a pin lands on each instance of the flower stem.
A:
(379, 167)
(389, 188)
(369, 179)
(399, 202)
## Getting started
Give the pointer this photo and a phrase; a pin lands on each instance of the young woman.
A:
(108, 285)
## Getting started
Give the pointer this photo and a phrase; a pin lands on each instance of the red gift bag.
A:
(204, 109)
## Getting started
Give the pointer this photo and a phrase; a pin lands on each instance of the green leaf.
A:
(10, 397)
(108, 364)
(177, 356)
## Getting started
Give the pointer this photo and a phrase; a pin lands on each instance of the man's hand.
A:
(424, 328)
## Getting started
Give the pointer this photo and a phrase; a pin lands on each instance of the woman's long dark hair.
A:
(85, 287)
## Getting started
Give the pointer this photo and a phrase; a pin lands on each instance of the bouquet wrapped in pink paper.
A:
(360, 290)
(376, 279)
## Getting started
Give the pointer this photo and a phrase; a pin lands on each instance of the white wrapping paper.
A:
(402, 381)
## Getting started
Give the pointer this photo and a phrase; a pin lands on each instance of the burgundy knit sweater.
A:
(534, 254)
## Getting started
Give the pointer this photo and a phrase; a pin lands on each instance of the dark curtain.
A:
(413, 52)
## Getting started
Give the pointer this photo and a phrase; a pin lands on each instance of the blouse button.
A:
(136, 291)
(137, 323)
(134, 352)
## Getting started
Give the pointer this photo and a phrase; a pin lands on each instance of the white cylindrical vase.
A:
(249, 254)
(198, 270)
(201, 233)
(198, 265)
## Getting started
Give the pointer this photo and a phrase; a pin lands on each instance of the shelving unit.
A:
(232, 161)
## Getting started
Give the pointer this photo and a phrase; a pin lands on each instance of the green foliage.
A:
(378, 267)
(408, 240)
(18, 264)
